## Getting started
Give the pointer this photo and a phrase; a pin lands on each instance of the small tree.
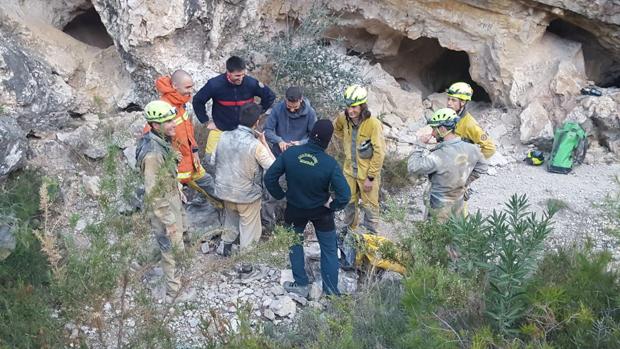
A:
(301, 55)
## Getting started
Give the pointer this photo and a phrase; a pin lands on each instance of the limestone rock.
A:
(7, 241)
(313, 251)
(283, 306)
(316, 290)
(92, 185)
(286, 275)
(347, 282)
(13, 146)
(535, 127)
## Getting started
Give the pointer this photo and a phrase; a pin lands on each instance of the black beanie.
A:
(322, 132)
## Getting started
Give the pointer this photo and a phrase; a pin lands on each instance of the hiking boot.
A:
(293, 287)
(180, 297)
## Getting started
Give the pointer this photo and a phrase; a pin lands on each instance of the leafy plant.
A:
(300, 56)
(502, 251)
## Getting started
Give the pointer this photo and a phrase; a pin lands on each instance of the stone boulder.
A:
(536, 127)
(13, 146)
(7, 241)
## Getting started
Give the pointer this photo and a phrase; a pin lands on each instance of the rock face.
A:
(61, 59)
(13, 146)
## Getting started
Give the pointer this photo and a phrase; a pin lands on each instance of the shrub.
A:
(574, 296)
(300, 56)
(26, 318)
(501, 252)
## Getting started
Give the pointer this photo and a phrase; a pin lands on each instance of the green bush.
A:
(26, 318)
(575, 300)
(299, 56)
(501, 252)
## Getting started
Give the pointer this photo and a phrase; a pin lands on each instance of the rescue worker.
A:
(451, 165)
(311, 174)
(157, 160)
(177, 91)
(290, 121)
(364, 149)
(229, 91)
(240, 157)
(467, 128)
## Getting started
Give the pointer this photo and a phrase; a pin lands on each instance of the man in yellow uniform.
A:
(467, 128)
(364, 148)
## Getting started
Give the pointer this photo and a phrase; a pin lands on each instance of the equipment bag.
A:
(569, 147)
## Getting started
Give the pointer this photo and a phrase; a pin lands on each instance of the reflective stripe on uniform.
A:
(184, 175)
(235, 103)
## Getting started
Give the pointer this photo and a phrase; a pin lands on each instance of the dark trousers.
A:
(323, 221)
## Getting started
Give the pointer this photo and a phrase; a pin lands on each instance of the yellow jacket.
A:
(369, 128)
(468, 129)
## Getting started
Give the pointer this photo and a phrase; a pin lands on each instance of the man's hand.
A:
(367, 185)
(283, 146)
(426, 138)
(294, 143)
(211, 126)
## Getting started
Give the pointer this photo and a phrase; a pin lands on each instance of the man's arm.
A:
(339, 125)
(480, 168)
(199, 103)
(342, 192)
(421, 163)
(378, 150)
(477, 135)
(271, 126)
(263, 156)
(155, 191)
(272, 178)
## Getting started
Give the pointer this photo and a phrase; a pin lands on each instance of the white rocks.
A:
(313, 251)
(278, 290)
(92, 185)
(7, 241)
(267, 313)
(286, 275)
(283, 306)
(316, 290)
(193, 322)
(498, 160)
(13, 146)
(536, 126)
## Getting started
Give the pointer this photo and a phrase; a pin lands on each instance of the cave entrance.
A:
(426, 65)
(88, 28)
(602, 66)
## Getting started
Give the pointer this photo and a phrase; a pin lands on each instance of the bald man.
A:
(177, 90)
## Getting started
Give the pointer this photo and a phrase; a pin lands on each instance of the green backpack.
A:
(569, 147)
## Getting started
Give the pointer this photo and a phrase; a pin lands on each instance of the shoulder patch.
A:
(484, 137)
(261, 85)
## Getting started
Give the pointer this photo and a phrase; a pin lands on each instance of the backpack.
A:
(569, 147)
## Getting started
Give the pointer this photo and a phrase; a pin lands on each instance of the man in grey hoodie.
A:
(290, 121)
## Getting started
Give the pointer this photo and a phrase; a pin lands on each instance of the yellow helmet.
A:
(159, 112)
(461, 90)
(355, 95)
(444, 117)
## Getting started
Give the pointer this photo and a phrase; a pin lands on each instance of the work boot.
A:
(293, 287)
(180, 297)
